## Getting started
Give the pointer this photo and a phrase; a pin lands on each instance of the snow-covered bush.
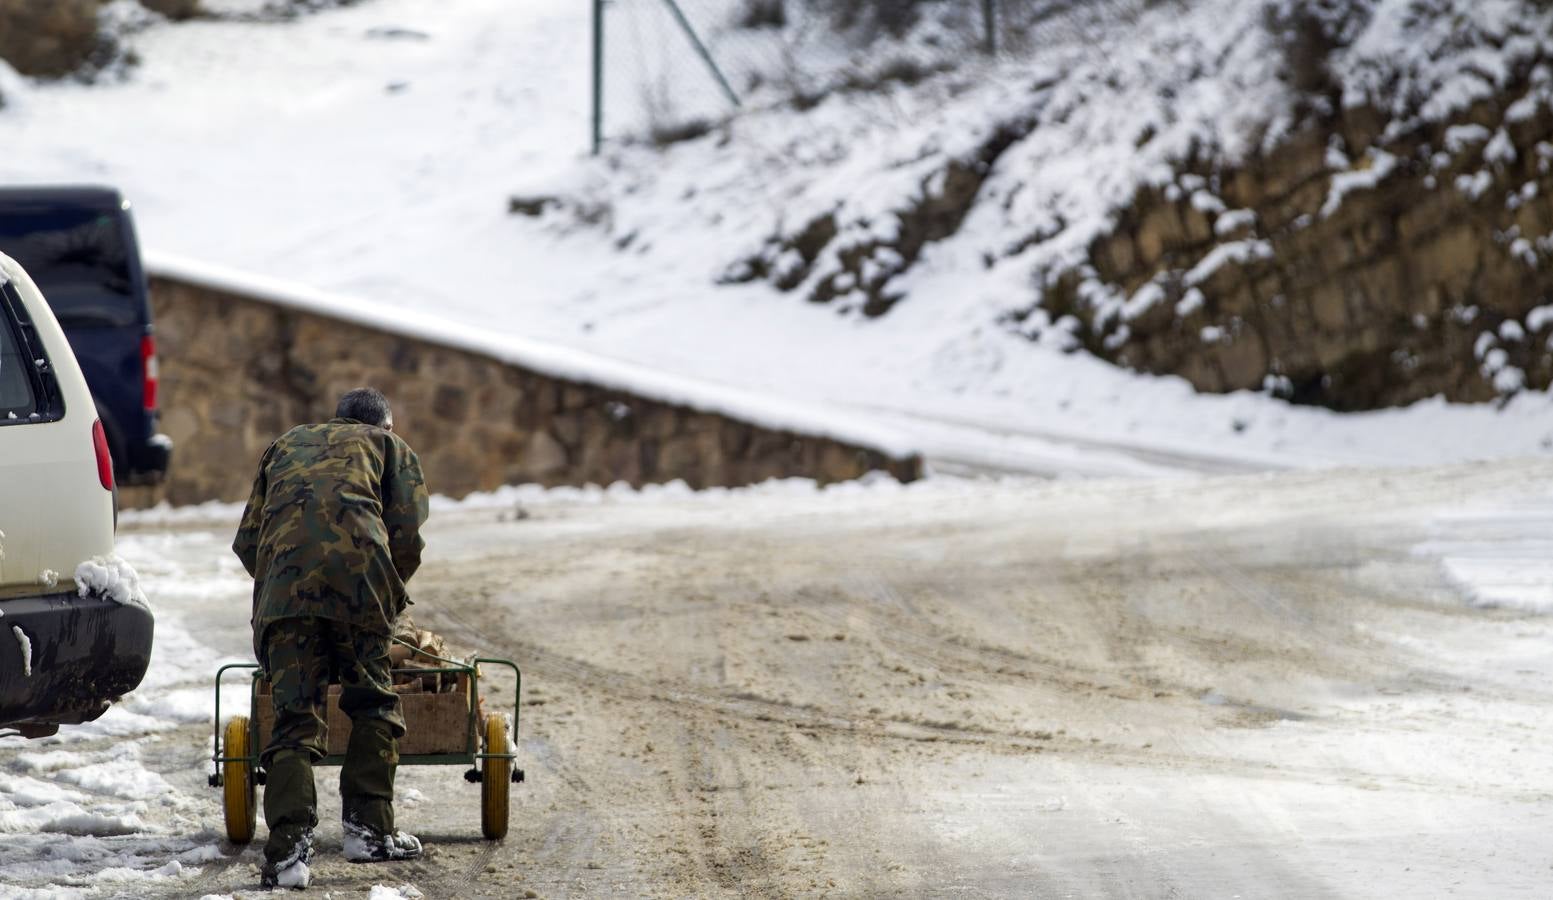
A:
(873, 17)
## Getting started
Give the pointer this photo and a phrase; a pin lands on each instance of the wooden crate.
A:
(434, 723)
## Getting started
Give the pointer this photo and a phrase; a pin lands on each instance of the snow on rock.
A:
(1509, 379)
(112, 577)
(402, 892)
(1500, 150)
(1381, 165)
(1474, 185)
(1143, 300)
(1460, 137)
(1523, 250)
(1239, 252)
(1539, 318)
(1233, 221)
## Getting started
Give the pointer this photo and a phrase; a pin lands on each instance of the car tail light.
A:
(150, 376)
(104, 461)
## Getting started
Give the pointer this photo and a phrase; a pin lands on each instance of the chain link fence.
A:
(665, 70)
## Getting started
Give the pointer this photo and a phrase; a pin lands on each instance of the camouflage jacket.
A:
(332, 527)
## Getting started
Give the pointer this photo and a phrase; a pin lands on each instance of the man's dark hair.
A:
(365, 405)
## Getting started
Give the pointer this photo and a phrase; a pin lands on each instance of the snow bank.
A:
(623, 493)
(165, 513)
(1497, 556)
(1382, 164)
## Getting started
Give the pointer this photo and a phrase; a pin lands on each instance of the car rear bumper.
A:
(78, 656)
(149, 461)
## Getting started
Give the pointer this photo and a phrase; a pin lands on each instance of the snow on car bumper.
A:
(64, 658)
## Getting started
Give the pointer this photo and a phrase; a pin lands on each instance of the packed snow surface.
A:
(362, 157)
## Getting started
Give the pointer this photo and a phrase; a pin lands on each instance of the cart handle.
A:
(517, 690)
(217, 758)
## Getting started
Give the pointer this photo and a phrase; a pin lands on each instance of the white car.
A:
(66, 650)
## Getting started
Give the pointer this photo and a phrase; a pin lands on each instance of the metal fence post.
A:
(706, 55)
(598, 75)
(989, 14)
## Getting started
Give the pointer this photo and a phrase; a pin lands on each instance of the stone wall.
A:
(236, 372)
(1358, 265)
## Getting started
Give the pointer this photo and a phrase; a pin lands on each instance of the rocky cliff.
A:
(1346, 203)
(1355, 265)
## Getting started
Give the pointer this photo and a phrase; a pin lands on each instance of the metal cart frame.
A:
(487, 765)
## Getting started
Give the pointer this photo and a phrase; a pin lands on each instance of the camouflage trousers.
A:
(301, 657)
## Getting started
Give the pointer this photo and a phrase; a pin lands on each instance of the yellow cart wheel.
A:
(495, 779)
(237, 781)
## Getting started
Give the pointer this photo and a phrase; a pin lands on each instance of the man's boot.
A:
(367, 796)
(290, 810)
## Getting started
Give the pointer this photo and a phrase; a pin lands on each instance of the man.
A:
(330, 535)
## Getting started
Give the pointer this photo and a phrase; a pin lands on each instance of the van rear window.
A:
(79, 260)
(18, 398)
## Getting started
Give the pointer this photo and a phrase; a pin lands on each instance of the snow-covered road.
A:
(1274, 685)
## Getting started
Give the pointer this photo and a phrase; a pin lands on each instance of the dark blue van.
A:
(78, 244)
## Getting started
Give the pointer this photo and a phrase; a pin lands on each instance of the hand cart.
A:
(441, 729)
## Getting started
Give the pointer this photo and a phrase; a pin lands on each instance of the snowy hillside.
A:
(371, 150)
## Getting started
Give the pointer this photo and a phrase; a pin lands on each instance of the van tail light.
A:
(149, 373)
(104, 461)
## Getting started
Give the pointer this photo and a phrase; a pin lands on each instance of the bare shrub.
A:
(872, 17)
(762, 14)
